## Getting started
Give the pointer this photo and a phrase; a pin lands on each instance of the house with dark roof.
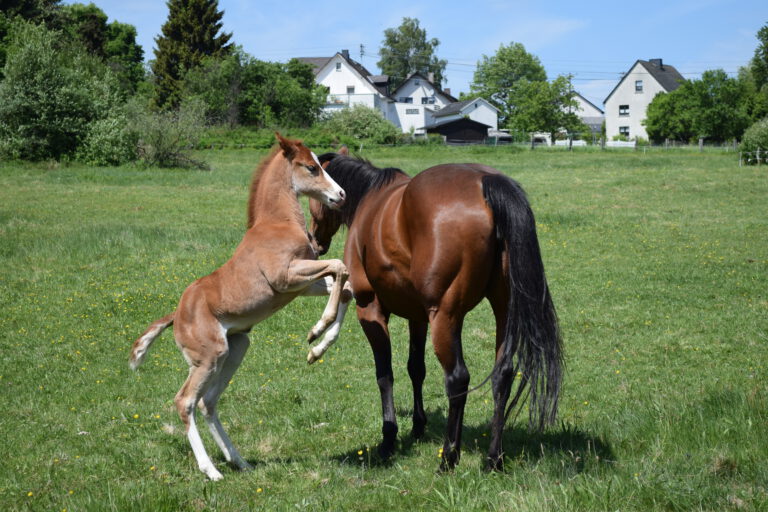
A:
(589, 113)
(414, 106)
(626, 105)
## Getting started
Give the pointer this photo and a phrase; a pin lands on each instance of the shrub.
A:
(756, 138)
(50, 94)
(165, 139)
(363, 123)
(109, 141)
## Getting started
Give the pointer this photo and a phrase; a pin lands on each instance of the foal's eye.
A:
(312, 169)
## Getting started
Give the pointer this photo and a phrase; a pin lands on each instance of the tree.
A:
(714, 107)
(37, 11)
(114, 43)
(51, 92)
(362, 122)
(406, 50)
(189, 35)
(759, 63)
(496, 77)
(541, 106)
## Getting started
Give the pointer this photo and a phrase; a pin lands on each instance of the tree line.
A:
(75, 86)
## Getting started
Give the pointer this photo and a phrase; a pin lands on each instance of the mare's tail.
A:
(142, 344)
(531, 346)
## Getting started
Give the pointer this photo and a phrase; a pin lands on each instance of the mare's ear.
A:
(288, 146)
(344, 150)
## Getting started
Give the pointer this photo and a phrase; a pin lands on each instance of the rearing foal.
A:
(274, 263)
(429, 249)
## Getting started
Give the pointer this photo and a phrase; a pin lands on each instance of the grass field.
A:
(658, 265)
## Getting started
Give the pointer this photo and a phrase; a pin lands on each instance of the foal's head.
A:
(307, 175)
(324, 222)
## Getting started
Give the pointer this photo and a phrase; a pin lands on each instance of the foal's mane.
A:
(357, 176)
(257, 174)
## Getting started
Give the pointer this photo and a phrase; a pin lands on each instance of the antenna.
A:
(362, 51)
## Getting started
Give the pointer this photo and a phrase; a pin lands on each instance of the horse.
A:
(429, 249)
(273, 264)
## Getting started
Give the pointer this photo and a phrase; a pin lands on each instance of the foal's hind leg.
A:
(238, 346)
(201, 374)
(417, 372)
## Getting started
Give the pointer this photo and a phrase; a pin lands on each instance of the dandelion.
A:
(30, 494)
(152, 468)
(259, 490)
(359, 452)
(135, 416)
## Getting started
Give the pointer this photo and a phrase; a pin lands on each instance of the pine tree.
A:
(189, 35)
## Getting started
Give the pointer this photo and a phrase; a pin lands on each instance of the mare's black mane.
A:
(357, 177)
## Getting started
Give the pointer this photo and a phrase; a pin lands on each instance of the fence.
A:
(759, 156)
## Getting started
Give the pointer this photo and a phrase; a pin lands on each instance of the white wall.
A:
(637, 101)
(338, 81)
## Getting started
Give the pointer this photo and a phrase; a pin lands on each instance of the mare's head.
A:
(325, 222)
(308, 176)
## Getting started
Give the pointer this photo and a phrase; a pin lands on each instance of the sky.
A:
(594, 41)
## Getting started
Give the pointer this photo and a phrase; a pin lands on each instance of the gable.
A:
(667, 77)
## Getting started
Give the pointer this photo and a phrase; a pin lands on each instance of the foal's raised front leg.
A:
(301, 274)
(325, 287)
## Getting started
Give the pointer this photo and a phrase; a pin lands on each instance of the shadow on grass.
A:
(574, 448)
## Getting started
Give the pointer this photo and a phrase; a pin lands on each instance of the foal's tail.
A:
(142, 344)
(532, 347)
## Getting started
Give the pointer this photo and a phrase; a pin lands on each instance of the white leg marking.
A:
(203, 460)
(330, 336)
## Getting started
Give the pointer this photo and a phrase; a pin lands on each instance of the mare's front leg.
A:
(417, 371)
(374, 321)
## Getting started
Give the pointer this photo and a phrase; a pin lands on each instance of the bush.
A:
(363, 123)
(756, 137)
(165, 139)
(50, 94)
(110, 141)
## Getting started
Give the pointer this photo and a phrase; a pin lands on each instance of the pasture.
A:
(658, 266)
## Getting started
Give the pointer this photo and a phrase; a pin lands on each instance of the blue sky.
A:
(595, 41)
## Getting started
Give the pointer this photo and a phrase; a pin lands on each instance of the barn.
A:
(462, 130)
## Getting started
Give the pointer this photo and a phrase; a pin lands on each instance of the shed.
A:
(460, 130)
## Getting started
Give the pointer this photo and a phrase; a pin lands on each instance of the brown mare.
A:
(429, 249)
(274, 263)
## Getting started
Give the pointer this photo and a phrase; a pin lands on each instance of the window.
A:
(417, 82)
(350, 89)
(638, 86)
(624, 130)
(411, 111)
(338, 66)
(405, 99)
(623, 110)
(427, 100)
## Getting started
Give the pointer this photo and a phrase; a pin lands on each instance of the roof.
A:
(585, 100)
(450, 98)
(667, 76)
(378, 81)
(457, 107)
(446, 122)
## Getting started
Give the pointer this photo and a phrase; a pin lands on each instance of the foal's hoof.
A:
(312, 357)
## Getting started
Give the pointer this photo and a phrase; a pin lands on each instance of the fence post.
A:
(532, 144)
(602, 143)
(739, 158)
(758, 156)
(701, 144)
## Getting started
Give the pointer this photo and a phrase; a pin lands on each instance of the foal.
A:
(274, 263)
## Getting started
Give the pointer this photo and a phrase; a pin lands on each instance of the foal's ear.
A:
(288, 146)
(344, 150)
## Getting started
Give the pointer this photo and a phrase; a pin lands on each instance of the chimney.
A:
(447, 91)
(658, 63)
(345, 54)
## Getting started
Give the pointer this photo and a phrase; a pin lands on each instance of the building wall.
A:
(339, 80)
(637, 102)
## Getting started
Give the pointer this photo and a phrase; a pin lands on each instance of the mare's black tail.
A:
(532, 346)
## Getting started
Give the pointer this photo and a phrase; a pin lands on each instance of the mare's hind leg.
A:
(201, 375)
(501, 379)
(446, 339)
(374, 323)
(417, 371)
(238, 346)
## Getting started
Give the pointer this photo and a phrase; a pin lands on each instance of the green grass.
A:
(658, 265)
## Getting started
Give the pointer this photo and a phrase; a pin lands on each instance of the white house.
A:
(414, 107)
(589, 114)
(627, 103)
